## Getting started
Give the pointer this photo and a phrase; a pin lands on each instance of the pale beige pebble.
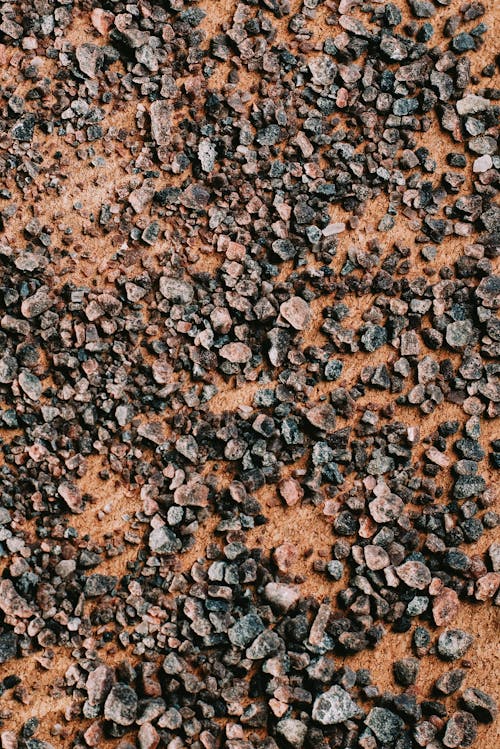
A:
(291, 491)
(438, 457)
(148, 736)
(281, 595)
(285, 556)
(487, 586)
(414, 574)
(482, 164)
(376, 557)
(102, 20)
(332, 229)
(296, 311)
(236, 353)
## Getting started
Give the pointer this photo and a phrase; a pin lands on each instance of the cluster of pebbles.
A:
(357, 373)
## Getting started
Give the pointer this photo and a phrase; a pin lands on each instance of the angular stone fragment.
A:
(161, 122)
(282, 596)
(385, 724)
(453, 644)
(480, 704)
(236, 353)
(164, 541)
(296, 311)
(11, 603)
(461, 730)
(334, 706)
(71, 495)
(414, 574)
(445, 607)
(121, 705)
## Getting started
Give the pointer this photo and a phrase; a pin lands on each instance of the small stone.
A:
(480, 704)
(290, 491)
(414, 574)
(236, 353)
(334, 706)
(406, 671)
(245, 630)
(99, 585)
(322, 417)
(8, 369)
(12, 604)
(164, 541)
(282, 596)
(121, 705)
(428, 370)
(206, 154)
(385, 509)
(453, 644)
(292, 731)
(451, 681)
(264, 645)
(36, 305)
(296, 312)
(468, 486)
(71, 495)
(445, 607)
(30, 384)
(459, 334)
(102, 20)
(90, 58)
(99, 683)
(472, 104)
(487, 586)
(461, 730)
(386, 725)
(376, 557)
(373, 338)
(482, 164)
(148, 736)
(323, 70)
(176, 290)
(161, 122)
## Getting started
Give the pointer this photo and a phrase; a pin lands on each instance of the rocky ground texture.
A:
(249, 346)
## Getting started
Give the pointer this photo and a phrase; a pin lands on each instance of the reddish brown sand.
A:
(91, 262)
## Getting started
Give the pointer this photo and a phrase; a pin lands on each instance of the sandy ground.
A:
(91, 261)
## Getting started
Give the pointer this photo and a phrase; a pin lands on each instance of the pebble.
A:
(334, 706)
(296, 312)
(121, 705)
(453, 644)
(480, 704)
